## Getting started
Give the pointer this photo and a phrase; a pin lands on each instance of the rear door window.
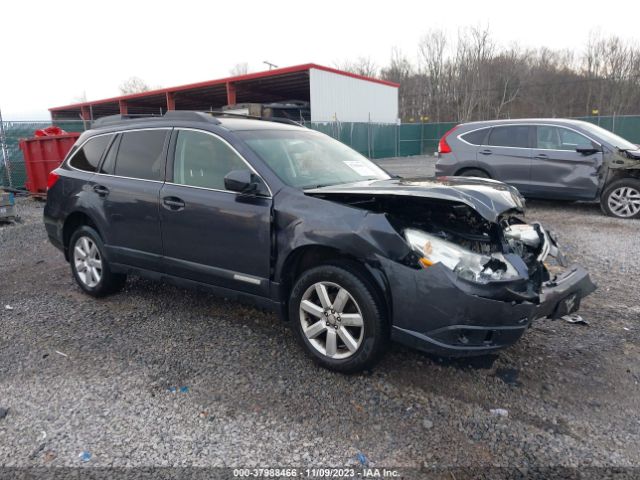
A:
(510, 136)
(547, 137)
(477, 137)
(88, 157)
(141, 154)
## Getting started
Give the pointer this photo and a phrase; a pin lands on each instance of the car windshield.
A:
(609, 137)
(308, 159)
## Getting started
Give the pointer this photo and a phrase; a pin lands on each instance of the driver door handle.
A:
(173, 203)
(541, 156)
(486, 151)
(101, 190)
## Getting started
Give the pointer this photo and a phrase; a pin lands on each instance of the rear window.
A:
(476, 137)
(512, 136)
(88, 157)
(140, 154)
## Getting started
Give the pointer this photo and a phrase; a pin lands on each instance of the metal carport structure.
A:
(281, 84)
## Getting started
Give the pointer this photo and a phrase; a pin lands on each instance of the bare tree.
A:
(470, 77)
(400, 70)
(133, 85)
(82, 98)
(241, 68)
(362, 66)
(432, 67)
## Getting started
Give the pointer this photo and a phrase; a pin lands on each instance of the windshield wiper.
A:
(310, 187)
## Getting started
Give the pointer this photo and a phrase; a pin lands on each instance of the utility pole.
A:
(5, 155)
(271, 65)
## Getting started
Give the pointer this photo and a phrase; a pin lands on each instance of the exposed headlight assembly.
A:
(467, 264)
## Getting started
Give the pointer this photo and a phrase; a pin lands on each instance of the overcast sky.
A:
(53, 52)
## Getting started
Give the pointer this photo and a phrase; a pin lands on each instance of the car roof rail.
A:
(192, 116)
(224, 113)
(186, 115)
(114, 119)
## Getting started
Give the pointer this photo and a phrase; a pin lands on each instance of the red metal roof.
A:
(214, 88)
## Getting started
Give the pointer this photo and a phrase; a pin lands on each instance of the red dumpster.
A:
(43, 154)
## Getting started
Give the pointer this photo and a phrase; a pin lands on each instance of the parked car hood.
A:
(489, 198)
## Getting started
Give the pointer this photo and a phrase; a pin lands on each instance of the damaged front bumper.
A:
(437, 312)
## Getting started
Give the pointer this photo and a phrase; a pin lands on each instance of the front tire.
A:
(338, 318)
(621, 199)
(474, 172)
(89, 266)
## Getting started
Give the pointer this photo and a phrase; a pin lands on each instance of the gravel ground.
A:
(107, 376)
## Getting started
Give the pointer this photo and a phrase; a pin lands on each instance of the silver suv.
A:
(548, 158)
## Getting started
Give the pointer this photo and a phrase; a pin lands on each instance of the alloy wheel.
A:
(624, 202)
(331, 320)
(87, 261)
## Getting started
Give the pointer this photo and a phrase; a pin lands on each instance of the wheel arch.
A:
(73, 221)
(460, 171)
(308, 256)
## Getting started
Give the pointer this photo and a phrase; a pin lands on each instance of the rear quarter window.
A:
(88, 157)
(477, 137)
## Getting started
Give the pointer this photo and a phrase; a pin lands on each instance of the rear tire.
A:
(89, 266)
(621, 199)
(338, 318)
(474, 172)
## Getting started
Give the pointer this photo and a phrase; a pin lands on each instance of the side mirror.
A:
(587, 150)
(244, 181)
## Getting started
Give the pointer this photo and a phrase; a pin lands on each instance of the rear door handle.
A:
(486, 151)
(101, 190)
(541, 156)
(173, 203)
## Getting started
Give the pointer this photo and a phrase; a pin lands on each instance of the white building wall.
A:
(348, 99)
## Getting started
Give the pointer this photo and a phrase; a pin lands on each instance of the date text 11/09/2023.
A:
(365, 472)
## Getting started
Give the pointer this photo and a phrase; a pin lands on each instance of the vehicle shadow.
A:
(564, 207)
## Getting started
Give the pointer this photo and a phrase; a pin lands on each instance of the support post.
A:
(85, 113)
(231, 93)
(171, 101)
(124, 110)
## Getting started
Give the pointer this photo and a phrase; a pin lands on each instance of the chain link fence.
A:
(374, 140)
(12, 170)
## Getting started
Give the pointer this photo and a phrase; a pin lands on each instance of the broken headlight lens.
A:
(467, 264)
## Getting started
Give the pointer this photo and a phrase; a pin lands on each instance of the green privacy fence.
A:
(374, 140)
(627, 126)
(383, 140)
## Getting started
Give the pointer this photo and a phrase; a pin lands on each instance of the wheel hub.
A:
(333, 318)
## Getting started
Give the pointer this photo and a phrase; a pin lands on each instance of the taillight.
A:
(52, 179)
(443, 146)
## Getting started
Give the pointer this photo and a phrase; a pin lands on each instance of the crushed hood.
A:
(489, 198)
(633, 154)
